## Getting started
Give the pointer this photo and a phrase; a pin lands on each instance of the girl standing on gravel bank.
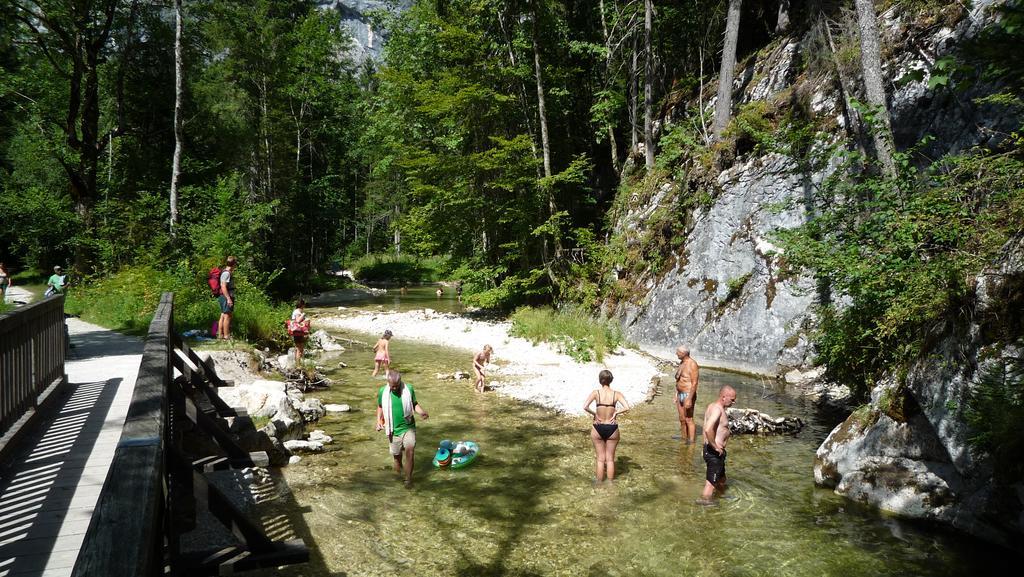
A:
(382, 360)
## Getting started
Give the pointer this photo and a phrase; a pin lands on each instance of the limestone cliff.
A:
(356, 16)
(722, 287)
(907, 451)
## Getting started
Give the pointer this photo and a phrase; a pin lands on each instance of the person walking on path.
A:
(716, 435)
(687, 375)
(382, 356)
(226, 298)
(298, 328)
(480, 361)
(396, 405)
(605, 432)
(57, 282)
(5, 282)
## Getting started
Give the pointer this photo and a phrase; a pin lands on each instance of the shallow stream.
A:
(528, 505)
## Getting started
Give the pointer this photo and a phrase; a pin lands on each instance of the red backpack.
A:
(214, 281)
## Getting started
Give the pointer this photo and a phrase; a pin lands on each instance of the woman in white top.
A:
(298, 327)
(5, 282)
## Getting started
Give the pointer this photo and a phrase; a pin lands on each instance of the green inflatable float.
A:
(455, 455)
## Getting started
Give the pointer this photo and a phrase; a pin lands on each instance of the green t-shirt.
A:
(57, 282)
(398, 416)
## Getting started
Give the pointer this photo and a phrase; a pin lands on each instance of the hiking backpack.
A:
(214, 281)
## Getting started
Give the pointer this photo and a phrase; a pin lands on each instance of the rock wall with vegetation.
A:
(358, 19)
(700, 261)
(939, 440)
(782, 246)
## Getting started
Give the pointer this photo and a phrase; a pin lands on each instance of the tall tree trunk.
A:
(723, 106)
(782, 23)
(871, 65)
(78, 32)
(541, 107)
(178, 120)
(648, 88)
(545, 144)
(634, 132)
(397, 237)
(523, 98)
(612, 143)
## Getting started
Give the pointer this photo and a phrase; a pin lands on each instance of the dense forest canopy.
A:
(494, 133)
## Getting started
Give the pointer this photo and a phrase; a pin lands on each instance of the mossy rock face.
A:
(893, 403)
(792, 341)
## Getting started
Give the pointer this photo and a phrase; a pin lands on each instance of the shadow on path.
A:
(48, 492)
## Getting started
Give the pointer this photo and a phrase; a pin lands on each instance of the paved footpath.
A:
(49, 490)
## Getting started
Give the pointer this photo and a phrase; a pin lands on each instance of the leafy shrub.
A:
(398, 268)
(995, 410)
(576, 333)
(126, 301)
(902, 250)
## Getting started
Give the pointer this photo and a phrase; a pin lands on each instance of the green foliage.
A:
(398, 268)
(995, 410)
(576, 333)
(126, 300)
(901, 250)
(734, 287)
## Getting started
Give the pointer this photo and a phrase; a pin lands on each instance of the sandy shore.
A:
(533, 373)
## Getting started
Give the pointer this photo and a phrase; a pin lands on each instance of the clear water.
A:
(420, 297)
(528, 505)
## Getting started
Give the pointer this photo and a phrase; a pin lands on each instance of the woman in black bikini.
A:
(605, 433)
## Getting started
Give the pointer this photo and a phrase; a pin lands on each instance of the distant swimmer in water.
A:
(480, 361)
(382, 358)
(605, 432)
(716, 435)
(687, 375)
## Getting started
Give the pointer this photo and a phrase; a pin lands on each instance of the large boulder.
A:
(908, 451)
(262, 399)
(323, 341)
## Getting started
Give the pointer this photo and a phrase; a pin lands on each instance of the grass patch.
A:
(398, 268)
(126, 301)
(259, 421)
(576, 333)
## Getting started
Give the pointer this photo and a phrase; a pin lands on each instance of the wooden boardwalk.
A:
(49, 490)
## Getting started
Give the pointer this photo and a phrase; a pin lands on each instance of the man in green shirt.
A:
(396, 403)
(55, 285)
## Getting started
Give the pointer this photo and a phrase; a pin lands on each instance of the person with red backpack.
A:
(225, 297)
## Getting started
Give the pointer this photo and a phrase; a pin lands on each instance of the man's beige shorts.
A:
(406, 440)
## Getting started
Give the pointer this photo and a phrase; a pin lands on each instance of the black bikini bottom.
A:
(605, 430)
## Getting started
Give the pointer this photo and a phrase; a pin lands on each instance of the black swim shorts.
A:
(716, 464)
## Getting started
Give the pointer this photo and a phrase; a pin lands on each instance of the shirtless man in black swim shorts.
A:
(687, 374)
(716, 435)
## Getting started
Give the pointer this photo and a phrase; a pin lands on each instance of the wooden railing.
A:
(155, 487)
(32, 350)
(126, 533)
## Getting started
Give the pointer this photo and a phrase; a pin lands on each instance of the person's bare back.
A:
(716, 435)
(716, 420)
